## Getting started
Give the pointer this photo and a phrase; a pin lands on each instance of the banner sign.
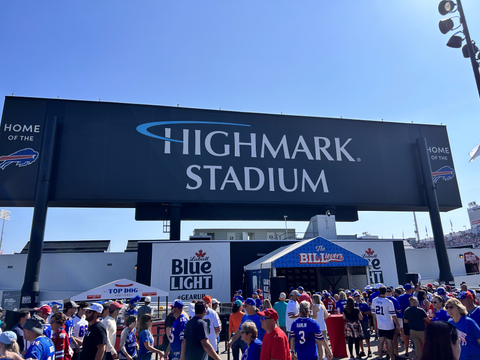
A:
(120, 155)
(319, 252)
(381, 255)
(190, 271)
(119, 289)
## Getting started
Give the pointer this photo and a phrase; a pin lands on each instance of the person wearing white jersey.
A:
(80, 325)
(292, 311)
(213, 323)
(383, 312)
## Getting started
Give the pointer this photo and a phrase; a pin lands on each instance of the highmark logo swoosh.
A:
(143, 129)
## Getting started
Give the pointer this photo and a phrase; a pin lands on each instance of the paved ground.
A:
(374, 347)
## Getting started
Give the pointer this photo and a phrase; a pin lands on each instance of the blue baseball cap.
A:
(464, 295)
(177, 304)
(239, 291)
(441, 291)
(300, 288)
(408, 287)
(250, 301)
(8, 337)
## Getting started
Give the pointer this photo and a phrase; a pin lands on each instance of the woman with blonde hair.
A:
(267, 304)
(9, 348)
(468, 328)
(320, 313)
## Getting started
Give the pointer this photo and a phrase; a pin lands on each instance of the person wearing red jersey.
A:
(275, 342)
(329, 303)
(60, 337)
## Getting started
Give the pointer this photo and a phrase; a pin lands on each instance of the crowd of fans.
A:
(454, 240)
(443, 323)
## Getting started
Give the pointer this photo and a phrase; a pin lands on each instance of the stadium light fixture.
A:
(455, 41)
(446, 7)
(465, 52)
(469, 50)
(447, 25)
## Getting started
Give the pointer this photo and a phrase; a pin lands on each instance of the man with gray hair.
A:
(306, 338)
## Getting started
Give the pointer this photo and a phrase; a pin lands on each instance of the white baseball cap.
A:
(148, 299)
(96, 307)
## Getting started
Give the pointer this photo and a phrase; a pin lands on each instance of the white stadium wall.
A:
(64, 275)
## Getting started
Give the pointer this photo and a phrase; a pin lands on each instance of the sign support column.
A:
(30, 288)
(432, 204)
(175, 220)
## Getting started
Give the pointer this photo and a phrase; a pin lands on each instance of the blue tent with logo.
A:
(315, 264)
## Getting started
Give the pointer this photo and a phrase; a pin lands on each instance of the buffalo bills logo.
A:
(446, 173)
(22, 158)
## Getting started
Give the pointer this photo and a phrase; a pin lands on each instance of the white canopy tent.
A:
(119, 289)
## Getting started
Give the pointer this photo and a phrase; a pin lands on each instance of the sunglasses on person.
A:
(265, 318)
(435, 302)
(244, 332)
(450, 307)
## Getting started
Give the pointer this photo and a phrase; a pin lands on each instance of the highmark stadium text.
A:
(255, 178)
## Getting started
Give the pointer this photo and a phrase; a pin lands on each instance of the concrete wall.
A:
(424, 262)
(65, 275)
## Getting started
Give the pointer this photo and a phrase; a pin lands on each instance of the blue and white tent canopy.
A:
(317, 252)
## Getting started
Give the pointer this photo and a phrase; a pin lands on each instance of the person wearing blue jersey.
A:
(404, 302)
(375, 294)
(251, 314)
(41, 347)
(365, 310)
(176, 333)
(145, 339)
(468, 330)
(69, 309)
(132, 306)
(342, 301)
(467, 300)
(128, 341)
(306, 339)
(253, 346)
(439, 312)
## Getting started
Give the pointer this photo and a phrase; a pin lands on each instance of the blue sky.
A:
(369, 60)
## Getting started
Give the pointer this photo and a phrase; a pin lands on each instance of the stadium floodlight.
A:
(455, 41)
(465, 50)
(445, 25)
(445, 7)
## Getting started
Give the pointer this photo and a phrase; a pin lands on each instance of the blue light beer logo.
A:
(192, 273)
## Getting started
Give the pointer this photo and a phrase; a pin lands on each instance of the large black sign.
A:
(123, 155)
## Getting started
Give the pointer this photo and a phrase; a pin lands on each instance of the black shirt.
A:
(195, 331)
(415, 316)
(353, 316)
(96, 334)
(170, 319)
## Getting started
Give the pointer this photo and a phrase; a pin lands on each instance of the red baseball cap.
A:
(45, 309)
(429, 285)
(207, 299)
(115, 305)
(258, 290)
(269, 313)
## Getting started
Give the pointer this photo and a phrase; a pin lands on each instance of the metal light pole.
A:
(446, 7)
(286, 230)
(4, 215)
